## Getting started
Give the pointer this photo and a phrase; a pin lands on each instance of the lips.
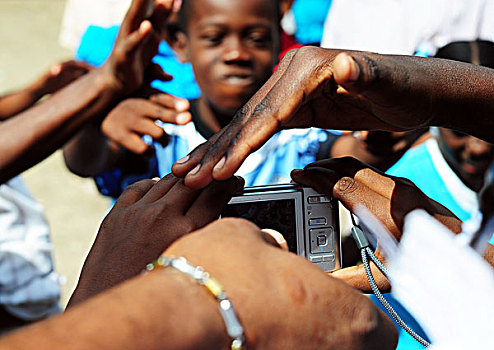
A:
(238, 79)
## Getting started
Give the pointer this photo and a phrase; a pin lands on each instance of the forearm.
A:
(89, 152)
(163, 310)
(48, 125)
(454, 95)
(19, 101)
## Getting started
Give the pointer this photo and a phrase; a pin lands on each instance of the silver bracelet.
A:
(232, 324)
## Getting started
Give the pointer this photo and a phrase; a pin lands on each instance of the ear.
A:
(180, 45)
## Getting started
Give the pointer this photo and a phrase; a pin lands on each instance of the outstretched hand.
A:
(388, 198)
(137, 43)
(346, 91)
(145, 220)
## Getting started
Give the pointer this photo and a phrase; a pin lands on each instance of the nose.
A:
(477, 147)
(234, 51)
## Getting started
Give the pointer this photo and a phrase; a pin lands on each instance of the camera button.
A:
(318, 199)
(317, 221)
(315, 259)
(328, 258)
(322, 240)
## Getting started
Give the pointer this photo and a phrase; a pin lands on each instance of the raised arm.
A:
(58, 76)
(35, 133)
(350, 91)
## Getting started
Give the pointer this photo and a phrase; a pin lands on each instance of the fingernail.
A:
(155, 179)
(195, 170)
(183, 117)
(183, 160)
(220, 164)
(296, 172)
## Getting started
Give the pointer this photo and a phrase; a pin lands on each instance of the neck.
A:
(215, 118)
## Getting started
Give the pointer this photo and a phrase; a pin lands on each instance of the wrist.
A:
(107, 82)
(195, 321)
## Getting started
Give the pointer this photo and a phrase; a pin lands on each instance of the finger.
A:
(273, 113)
(147, 126)
(134, 143)
(321, 179)
(178, 104)
(383, 81)
(197, 167)
(133, 40)
(357, 278)
(191, 162)
(155, 72)
(212, 200)
(155, 111)
(134, 192)
(162, 10)
(369, 176)
(352, 193)
(161, 188)
(134, 16)
(180, 197)
(274, 238)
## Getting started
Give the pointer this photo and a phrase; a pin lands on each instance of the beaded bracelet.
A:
(232, 324)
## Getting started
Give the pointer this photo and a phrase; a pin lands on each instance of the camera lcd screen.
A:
(278, 215)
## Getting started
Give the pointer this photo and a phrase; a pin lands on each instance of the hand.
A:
(135, 117)
(62, 74)
(347, 91)
(315, 87)
(136, 44)
(388, 198)
(282, 300)
(145, 220)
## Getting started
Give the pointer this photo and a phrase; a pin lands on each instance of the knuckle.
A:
(347, 185)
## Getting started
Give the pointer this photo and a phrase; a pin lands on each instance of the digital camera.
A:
(308, 220)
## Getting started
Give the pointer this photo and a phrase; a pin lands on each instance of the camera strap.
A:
(367, 255)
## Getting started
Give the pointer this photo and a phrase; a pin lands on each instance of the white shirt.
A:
(29, 287)
(405, 26)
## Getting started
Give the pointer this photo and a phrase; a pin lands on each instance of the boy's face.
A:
(469, 156)
(232, 46)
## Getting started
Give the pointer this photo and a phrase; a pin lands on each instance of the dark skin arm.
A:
(268, 286)
(388, 198)
(48, 125)
(282, 300)
(348, 91)
(58, 76)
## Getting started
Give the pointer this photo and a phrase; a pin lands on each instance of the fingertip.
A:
(183, 118)
(240, 182)
(275, 238)
(346, 69)
(296, 172)
(181, 105)
(145, 27)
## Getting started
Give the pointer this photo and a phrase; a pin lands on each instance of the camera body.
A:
(308, 220)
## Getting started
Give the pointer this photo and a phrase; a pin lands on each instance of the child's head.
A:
(468, 156)
(232, 46)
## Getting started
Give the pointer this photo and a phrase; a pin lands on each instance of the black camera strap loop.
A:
(366, 253)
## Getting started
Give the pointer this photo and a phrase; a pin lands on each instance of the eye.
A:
(259, 38)
(212, 38)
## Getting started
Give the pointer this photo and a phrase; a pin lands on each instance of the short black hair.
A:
(186, 8)
(479, 52)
